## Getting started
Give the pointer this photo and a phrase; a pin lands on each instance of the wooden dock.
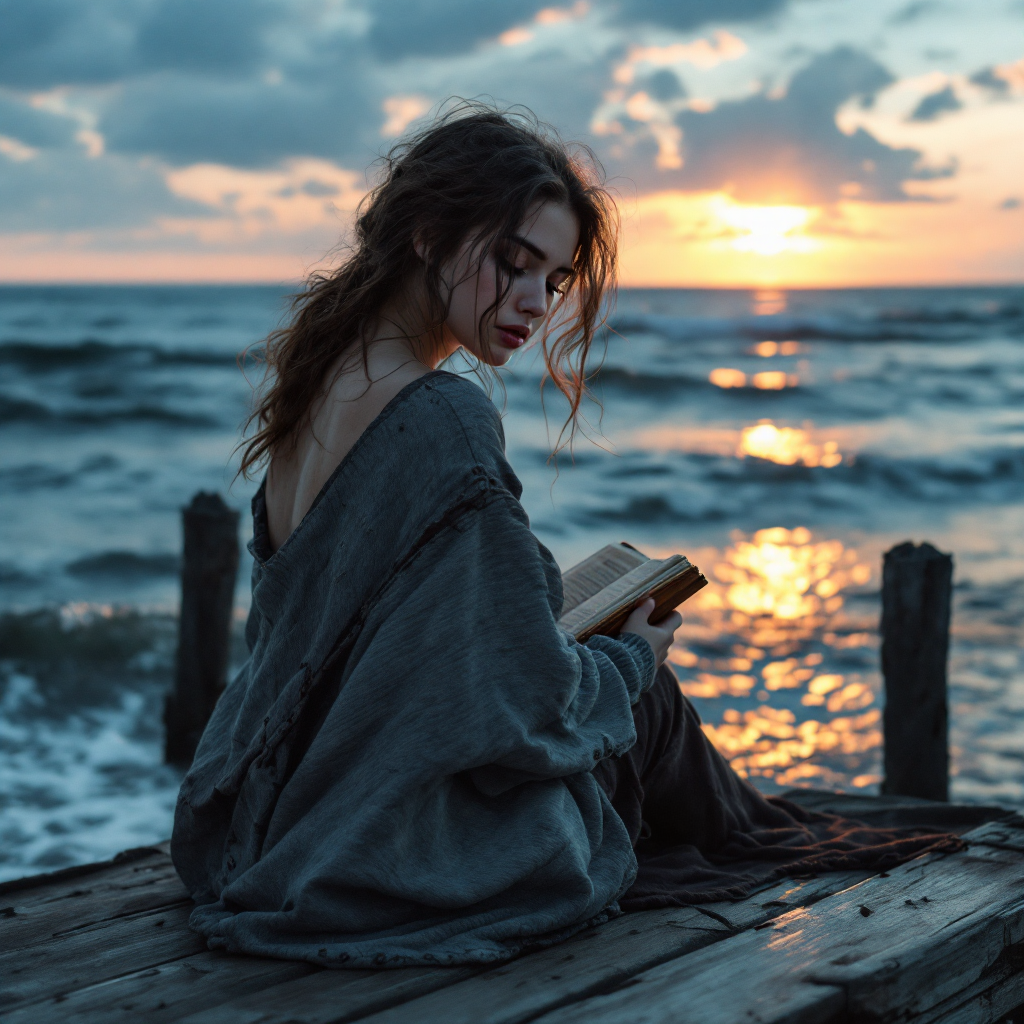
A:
(938, 939)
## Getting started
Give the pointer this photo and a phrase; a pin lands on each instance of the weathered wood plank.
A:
(948, 931)
(606, 957)
(989, 1000)
(118, 893)
(95, 954)
(1000, 835)
(592, 961)
(332, 997)
(894, 945)
(66, 881)
(164, 993)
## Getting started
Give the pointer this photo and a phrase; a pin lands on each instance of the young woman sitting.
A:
(416, 765)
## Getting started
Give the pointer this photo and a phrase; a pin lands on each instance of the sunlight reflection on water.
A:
(779, 668)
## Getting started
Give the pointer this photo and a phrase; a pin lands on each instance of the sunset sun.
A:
(766, 230)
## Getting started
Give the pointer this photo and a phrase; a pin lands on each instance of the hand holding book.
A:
(659, 635)
(602, 591)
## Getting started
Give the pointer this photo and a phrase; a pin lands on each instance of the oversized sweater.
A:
(401, 773)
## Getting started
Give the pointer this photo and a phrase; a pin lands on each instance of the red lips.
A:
(513, 335)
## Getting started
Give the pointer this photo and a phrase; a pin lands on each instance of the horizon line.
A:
(299, 283)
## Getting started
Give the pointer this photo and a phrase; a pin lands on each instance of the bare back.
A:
(334, 424)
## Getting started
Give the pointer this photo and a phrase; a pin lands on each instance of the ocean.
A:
(782, 440)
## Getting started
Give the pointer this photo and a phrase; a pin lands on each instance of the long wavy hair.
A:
(474, 174)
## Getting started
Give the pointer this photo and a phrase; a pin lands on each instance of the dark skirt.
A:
(701, 833)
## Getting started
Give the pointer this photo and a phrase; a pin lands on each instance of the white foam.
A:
(80, 789)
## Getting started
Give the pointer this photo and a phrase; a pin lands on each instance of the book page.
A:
(603, 567)
(622, 591)
(670, 581)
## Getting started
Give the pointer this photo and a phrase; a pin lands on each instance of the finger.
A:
(670, 623)
(644, 604)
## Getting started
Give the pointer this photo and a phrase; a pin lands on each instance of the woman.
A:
(416, 765)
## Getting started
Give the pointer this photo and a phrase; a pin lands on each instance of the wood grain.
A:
(332, 997)
(27, 918)
(164, 993)
(894, 946)
(606, 957)
(94, 954)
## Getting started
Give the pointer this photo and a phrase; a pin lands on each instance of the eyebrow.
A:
(539, 253)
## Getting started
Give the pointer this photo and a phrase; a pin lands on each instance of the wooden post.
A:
(208, 571)
(916, 592)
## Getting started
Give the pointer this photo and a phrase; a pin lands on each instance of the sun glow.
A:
(767, 230)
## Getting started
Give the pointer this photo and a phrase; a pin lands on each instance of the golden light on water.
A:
(767, 380)
(786, 575)
(766, 349)
(787, 446)
(726, 377)
(777, 614)
(770, 742)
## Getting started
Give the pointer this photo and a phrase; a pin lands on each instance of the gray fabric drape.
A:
(401, 772)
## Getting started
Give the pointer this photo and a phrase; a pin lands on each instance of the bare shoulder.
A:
(335, 423)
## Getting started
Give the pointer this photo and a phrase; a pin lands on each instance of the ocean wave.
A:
(897, 325)
(21, 410)
(637, 383)
(34, 358)
(650, 510)
(124, 564)
(49, 641)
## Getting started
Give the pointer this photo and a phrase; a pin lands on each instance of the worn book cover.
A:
(601, 591)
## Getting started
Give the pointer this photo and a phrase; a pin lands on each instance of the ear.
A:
(419, 246)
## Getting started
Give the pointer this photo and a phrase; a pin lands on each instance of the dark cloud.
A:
(914, 12)
(790, 150)
(222, 37)
(27, 124)
(664, 85)
(1010, 203)
(440, 28)
(988, 79)
(936, 103)
(44, 43)
(246, 124)
(685, 15)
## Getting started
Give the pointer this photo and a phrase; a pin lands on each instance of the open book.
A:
(603, 589)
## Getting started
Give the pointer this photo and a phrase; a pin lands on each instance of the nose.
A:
(533, 296)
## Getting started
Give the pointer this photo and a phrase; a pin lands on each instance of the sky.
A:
(781, 143)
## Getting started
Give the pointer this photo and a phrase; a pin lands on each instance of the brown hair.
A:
(474, 173)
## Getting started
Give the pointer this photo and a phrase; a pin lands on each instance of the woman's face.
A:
(539, 262)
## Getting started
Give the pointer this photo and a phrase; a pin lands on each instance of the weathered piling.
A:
(208, 571)
(916, 600)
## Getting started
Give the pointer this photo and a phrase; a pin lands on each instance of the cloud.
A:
(48, 42)
(789, 149)
(988, 79)
(187, 119)
(1001, 78)
(914, 12)
(34, 127)
(663, 85)
(441, 28)
(220, 37)
(299, 196)
(936, 103)
(1010, 203)
(67, 191)
(686, 15)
